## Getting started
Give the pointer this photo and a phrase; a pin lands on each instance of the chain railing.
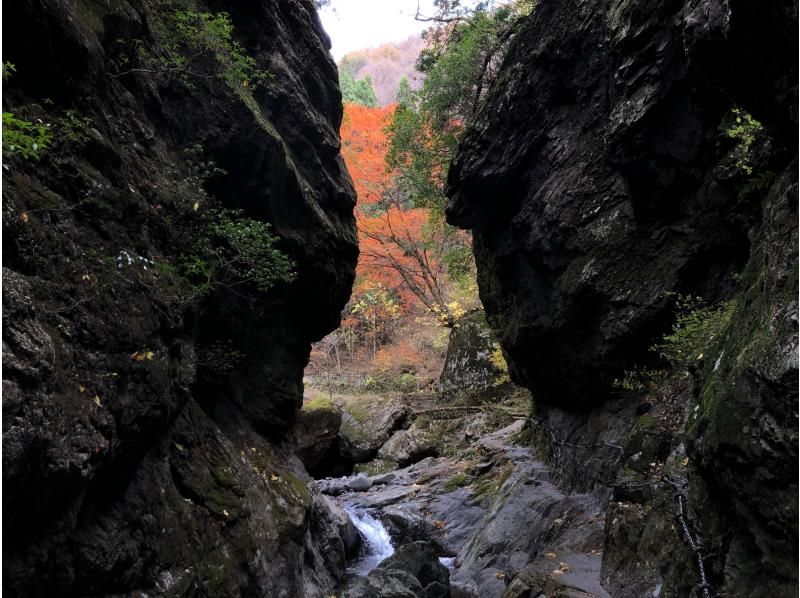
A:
(681, 516)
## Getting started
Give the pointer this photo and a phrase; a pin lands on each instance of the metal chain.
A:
(697, 551)
(680, 499)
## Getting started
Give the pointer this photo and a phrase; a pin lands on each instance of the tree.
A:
(357, 91)
(405, 95)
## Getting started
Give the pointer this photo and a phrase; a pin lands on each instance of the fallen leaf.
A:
(97, 401)
(196, 206)
(556, 572)
(550, 555)
(24, 217)
(273, 477)
(81, 388)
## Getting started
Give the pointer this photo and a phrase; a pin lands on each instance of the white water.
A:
(377, 540)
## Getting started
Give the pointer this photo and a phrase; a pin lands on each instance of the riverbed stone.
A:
(408, 446)
(420, 560)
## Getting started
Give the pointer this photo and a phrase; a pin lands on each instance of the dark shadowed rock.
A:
(420, 560)
(315, 432)
(594, 180)
(142, 412)
(598, 178)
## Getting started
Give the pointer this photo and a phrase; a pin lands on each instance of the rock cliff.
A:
(601, 179)
(153, 357)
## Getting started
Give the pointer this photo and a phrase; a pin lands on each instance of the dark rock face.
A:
(132, 461)
(597, 178)
(742, 437)
(595, 181)
(315, 434)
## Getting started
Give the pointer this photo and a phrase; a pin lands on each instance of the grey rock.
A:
(408, 446)
(386, 478)
(421, 561)
(359, 483)
(470, 368)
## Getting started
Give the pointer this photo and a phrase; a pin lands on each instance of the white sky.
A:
(360, 24)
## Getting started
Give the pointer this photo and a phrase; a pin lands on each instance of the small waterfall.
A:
(378, 543)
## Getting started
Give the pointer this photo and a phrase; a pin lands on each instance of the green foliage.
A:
(744, 131)
(405, 95)
(186, 38)
(72, 127)
(24, 138)
(212, 33)
(356, 91)
(758, 183)
(8, 70)
(697, 327)
(249, 250)
(455, 482)
(640, 379)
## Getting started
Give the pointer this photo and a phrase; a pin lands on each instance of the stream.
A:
(377, 542)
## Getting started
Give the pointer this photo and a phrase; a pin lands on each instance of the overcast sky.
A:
(359, 24)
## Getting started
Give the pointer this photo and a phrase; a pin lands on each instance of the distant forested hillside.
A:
(385, 65)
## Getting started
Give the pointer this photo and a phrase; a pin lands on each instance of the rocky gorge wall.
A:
(599, 181)
(146, 395)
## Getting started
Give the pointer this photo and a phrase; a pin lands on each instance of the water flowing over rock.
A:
(143, 425)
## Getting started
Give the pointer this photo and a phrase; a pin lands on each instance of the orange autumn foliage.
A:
(364, 147)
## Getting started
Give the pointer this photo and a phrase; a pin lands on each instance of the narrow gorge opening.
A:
(419, 299)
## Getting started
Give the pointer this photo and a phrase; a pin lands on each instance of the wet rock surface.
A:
(143, 420)
(505, 519)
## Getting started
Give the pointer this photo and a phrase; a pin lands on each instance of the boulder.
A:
(386, 584)
(408, 446)
(316, 431)
(360, 483)
(421, 561)
(474, 367)
(361, 439)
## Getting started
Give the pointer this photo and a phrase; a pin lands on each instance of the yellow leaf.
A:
(81, 388)
(273, 477)
(149, 355)
(196, 206)
(550, 555)
(97, 401)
